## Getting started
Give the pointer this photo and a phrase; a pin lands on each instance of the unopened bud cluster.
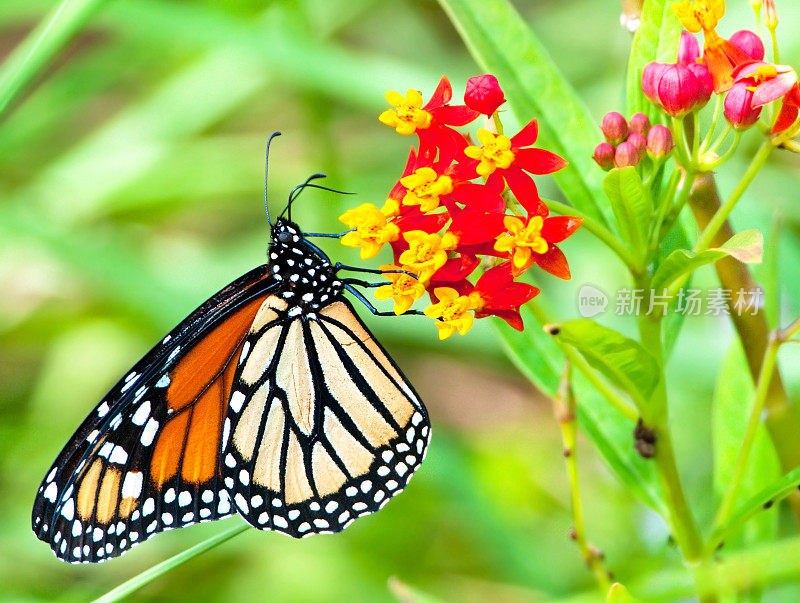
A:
(681, 87)
(627, 142)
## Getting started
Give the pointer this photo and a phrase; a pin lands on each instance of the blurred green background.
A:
(131, 189)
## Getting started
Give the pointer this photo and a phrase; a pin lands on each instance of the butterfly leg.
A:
(339, 266)
(326, 235)
(360, 283)
(360, 297)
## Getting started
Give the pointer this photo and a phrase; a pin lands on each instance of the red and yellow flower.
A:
(533, 240)
(510, 159)
(448, 209)
(770, 82)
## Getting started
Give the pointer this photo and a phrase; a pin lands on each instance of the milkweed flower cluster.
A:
(735, 67)
(449, 212)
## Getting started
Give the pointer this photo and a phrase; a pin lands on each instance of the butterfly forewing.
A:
(147, 458)
(322, 426)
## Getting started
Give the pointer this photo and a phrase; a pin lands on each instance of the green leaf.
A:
(41, 45)
(502, 44)
(621, 359)
(619, 594)
(676, 239)
(656, 40)
(745, 246)
(612, 435)
(536, 357)
(733, 398)
(631, 203)
(759, 502)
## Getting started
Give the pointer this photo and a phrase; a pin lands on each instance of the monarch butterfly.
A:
(272, 399)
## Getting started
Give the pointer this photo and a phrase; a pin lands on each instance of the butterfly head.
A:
(307, 279)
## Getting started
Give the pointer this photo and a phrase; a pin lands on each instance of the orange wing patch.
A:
(198, 396)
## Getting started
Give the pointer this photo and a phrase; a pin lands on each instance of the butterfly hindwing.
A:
(146, 459)
(322, 427)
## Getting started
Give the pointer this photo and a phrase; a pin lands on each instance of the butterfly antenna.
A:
(296, 192)
(266, 173)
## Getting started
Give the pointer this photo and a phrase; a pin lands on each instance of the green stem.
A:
(707, 167)
(147, 576)
(599, 231)
(564, 407)
(742, 459)
(713, 127)
(41, 45)
(663, 209)
(762, 388)
(656, 417)
(716, 222)
(720, 139)
(681, 144)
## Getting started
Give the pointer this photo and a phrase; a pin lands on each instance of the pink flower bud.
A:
(659, 141)
(626, 155)
(749, 43)
(688, 49)
(640, 123)
(483, 94)
(614, 127)
(677, 90)
(604, 155)
(704, 81)
(650, 77)
(739, 109)
(639, 142)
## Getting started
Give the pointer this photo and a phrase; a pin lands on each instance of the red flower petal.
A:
(478, 196)
(455, 115)
(527, 135)
(450, 143)
(538, 161)
(786, 117)
(474, 227)
(442, 94)
(399, 191)
(554, 262)
(512, 317)
(455, 269)
(486, 248)
(416, 220)
(510, 297)
(558, 228)
(495, 278)
(464, 170)
(524, 190)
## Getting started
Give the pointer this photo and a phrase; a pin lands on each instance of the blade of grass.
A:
(31, 56)
(147, 576)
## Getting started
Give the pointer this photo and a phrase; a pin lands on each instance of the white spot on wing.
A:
(132, 484)
(51, 491)
(149, 432)
(237, 399)
(118, 455)
(141, 414)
